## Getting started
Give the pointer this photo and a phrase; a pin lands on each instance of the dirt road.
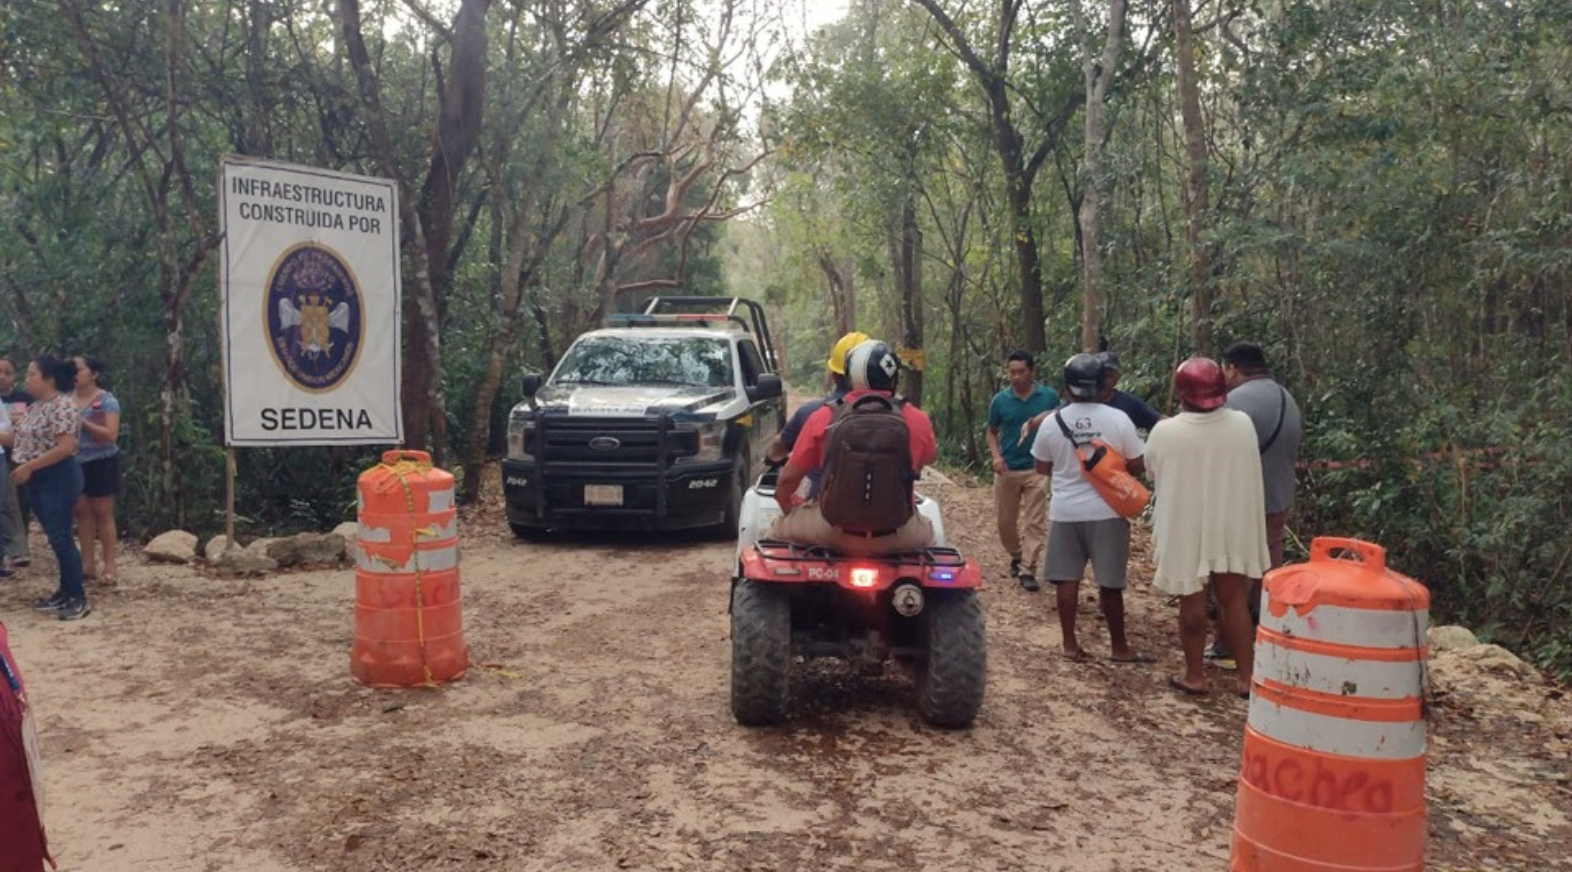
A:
(199, 724)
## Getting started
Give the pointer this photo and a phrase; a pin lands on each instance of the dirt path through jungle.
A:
(199, 724)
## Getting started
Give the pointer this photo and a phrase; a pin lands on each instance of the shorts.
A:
(101, 477)
(1105, 543)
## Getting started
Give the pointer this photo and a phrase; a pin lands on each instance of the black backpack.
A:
(867, 486)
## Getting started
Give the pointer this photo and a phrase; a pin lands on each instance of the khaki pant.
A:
(806, 526)
(1020, 503)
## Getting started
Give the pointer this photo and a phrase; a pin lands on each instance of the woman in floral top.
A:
(45, 446)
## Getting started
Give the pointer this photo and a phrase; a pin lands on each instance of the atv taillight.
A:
(864, 576)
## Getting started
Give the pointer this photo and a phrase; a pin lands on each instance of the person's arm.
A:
(109, 429)
(1040, 453)
(65, 447)
(995, 450)
(786, 485)
(1133, 449)
(781, 446)
(928, 440)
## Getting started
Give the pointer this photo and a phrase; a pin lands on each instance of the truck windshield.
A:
(624, 360)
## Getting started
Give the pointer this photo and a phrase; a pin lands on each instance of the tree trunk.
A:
(908, 275)
(421, 392)
(1196, 204)
(1098, 73)
(1028, 261)
(457, 130)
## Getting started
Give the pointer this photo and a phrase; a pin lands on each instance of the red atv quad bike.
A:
(791, 603)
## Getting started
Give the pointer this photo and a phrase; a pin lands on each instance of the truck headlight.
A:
(521, 433)
(710, 441)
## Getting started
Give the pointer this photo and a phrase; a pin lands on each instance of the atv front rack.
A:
(775, 549)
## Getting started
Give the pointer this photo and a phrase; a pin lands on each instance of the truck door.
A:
(769, 416)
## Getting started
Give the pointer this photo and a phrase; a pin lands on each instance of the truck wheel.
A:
(760, 653)
(732, 525)
(952, 668)
(529, 534)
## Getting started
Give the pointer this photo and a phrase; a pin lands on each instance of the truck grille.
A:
(610, 441)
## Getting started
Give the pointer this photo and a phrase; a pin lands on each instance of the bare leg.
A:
(1192, 638)
(1112, 603)
(103, 509)
(86, 534)
(1233, 592)
(1065, 594)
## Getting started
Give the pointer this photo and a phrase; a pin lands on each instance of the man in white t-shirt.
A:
(1083, 527)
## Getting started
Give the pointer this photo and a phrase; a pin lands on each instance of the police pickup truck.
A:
(657, 421)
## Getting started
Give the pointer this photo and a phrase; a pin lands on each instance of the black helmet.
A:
(1083, 376)
(872, 366)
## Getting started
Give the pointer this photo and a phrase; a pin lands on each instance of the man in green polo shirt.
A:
(1020, 495)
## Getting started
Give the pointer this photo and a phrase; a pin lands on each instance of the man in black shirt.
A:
(1142, 415)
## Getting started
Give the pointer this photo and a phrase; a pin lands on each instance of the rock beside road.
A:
(236, 564)
(176, 546)
(350, 530)
(1450, 638)
(215, 548)
(308, 549)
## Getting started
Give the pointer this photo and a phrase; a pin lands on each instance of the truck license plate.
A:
(603, 495)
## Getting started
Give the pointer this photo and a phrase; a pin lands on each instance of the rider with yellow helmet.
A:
(781, 447)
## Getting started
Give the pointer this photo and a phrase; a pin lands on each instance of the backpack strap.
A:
(1282, 414)
(1064, 428)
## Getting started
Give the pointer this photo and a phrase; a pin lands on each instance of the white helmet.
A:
(872, 366)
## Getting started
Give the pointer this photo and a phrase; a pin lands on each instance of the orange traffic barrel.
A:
(1333, 776)
(409, 621)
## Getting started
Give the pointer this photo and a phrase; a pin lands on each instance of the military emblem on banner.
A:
(314, 317)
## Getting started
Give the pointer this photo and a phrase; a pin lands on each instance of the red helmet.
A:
(1199, 382)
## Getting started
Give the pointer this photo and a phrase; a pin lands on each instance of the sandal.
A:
(1136, 657)
(1178, 684)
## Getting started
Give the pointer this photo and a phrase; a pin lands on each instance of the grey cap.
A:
(1109, 360)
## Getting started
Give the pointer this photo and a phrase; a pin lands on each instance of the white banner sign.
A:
(309, 287)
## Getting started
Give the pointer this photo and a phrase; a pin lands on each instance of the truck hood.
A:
(593, 400)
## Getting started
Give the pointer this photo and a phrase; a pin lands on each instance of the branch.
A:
(431, 21)
(958, 42)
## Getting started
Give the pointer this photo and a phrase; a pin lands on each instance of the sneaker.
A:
(1015, 568)
(75, 610)
(21, 561)
(1029, 582)
(52, 604)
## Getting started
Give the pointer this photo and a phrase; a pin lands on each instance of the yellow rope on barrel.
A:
(400, 471)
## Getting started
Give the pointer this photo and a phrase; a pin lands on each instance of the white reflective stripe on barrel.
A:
(1338, 676)
(426, 560)
(435, 532)
(1340, 625)
(440, 501)
(1378, 740)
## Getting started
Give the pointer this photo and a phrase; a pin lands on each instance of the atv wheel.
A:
(952, 670)
(760, 653)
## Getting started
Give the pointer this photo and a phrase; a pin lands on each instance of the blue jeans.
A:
(53, 492)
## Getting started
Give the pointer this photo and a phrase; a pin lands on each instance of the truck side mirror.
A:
(531, 384)
(768, 388)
